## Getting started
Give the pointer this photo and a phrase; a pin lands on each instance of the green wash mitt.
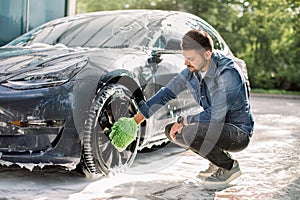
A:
(123, 132)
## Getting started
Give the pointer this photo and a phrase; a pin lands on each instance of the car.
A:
(64, 84)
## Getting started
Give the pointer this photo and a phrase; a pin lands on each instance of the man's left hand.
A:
(176, 128)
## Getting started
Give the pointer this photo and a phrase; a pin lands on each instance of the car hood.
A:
(18, 60)
(14, 61)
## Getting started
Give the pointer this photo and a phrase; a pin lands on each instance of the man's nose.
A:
(186, 62)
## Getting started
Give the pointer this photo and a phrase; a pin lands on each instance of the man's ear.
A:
(207, 54)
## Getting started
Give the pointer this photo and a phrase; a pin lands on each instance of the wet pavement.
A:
(270, 167)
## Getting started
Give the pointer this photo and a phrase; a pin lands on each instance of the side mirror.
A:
(155, 59)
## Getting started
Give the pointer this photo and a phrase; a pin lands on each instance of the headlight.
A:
(50, 74)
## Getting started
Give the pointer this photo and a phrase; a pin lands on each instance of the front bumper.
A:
(37, 126)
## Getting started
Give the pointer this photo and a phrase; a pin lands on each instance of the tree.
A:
(271, 34)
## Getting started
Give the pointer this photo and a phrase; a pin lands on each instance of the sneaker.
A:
(209, 171)
(223, 176)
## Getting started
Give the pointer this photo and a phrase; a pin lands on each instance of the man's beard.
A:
(198, 69)
(201, 66)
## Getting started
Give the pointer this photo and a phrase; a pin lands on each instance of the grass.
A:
(274, 91)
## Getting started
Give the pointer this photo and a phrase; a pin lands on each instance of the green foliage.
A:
(263, 33)
(123, 132)
(274, 91)
(268, 29)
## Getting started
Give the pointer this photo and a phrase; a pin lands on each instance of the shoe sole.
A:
(202, 176)
(223, 183)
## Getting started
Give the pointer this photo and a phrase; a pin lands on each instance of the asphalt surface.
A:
(270, 167)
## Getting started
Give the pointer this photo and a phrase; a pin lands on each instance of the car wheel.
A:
(99, 155)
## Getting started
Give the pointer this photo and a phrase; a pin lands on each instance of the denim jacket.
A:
(222, 93)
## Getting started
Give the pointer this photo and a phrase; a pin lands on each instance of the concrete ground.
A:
(270, 167)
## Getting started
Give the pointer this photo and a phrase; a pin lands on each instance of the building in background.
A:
(19, 16)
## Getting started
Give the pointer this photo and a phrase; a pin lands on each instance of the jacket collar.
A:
(218, 64)
(212, 70)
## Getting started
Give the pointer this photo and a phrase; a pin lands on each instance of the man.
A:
(226, 122)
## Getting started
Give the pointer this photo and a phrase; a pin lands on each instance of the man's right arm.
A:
(164, 95)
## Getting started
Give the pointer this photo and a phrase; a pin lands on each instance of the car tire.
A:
(99, 155)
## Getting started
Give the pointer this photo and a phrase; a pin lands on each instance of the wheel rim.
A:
(112, 104)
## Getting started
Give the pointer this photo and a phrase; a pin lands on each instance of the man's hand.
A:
(176, 128)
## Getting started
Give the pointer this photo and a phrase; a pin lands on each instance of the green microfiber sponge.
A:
(123, 132)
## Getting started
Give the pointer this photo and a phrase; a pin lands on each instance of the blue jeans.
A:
(210, 140)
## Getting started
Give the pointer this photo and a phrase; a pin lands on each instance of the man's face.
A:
(196, 60)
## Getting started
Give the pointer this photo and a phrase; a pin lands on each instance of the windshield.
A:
(105, 31)
(128, 29)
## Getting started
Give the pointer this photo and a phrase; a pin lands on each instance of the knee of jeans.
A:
(189, 135)
(239, 145)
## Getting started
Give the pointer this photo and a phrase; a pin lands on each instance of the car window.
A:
(118, 31)
(48, 33)
(104, 31)
(160, 43)
(201, 25)
(181, 24)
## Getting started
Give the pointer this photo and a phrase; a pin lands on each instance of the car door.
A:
(165, 63)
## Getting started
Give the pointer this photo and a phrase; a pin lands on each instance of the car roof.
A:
(153, 14)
